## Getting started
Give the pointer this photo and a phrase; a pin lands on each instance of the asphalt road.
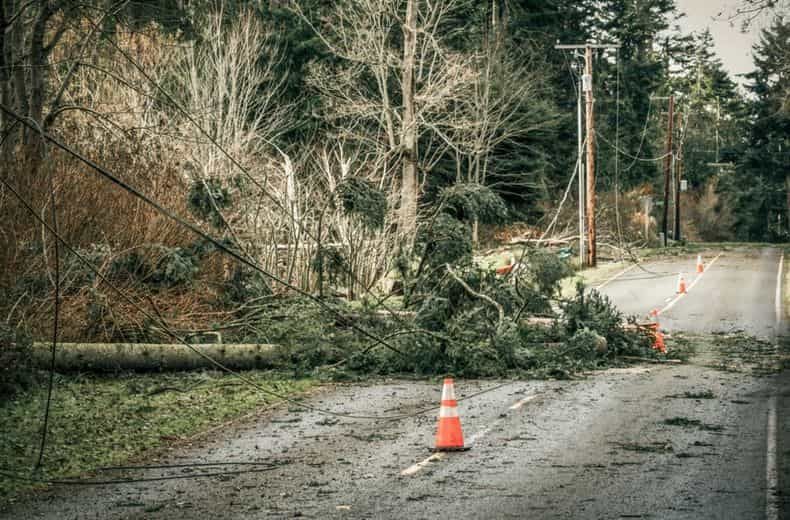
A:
(598, 447)
(736, 293)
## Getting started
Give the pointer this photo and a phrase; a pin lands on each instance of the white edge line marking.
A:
(779, 289)
(411, 470)
(771, 476)
(616, 276)
(417, 467)
(771, 480)
(696, 279)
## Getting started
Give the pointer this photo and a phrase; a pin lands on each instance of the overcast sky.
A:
(732, 46)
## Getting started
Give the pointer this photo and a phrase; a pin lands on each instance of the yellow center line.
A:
(697, 279)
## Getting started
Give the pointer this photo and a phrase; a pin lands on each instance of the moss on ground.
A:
(100, 421)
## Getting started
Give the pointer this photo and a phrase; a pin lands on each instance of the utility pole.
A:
(580, 151)
(590, 258)
(668, 167)
(592, 252)
(677, 171)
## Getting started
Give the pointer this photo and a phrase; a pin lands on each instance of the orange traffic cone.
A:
(658, 336)
(700, 265)
(449, 436)
(681, 284)
(507, 268)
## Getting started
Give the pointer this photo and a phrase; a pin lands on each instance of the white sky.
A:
(732, 46)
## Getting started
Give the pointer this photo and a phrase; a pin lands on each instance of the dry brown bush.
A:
(710, 218)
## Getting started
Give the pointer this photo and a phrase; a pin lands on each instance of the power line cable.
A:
(115, 482)
(618, 150)
(194, 229)
(289, 213)
(43, 149)
(617, 157)
(209, 358)
(642, 139)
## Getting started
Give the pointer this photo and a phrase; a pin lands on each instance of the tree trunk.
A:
(407, 222)
(4, 73)
(787, 199)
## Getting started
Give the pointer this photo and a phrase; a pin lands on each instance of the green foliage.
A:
(470, 202)
(364, 200)
(545, 270)
(129, 265)
(174, 266)
(758, 186)
(473, 324)
(207, 199)
(177, 266)
(593, 312)
(444, 240)
(330, 260)
(245, 284)
(17, 372)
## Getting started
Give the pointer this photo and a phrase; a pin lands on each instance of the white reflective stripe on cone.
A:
(448, 393)
(448, 411)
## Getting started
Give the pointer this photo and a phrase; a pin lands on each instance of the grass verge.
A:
(106, 420)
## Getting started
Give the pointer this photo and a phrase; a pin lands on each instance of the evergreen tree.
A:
(760, 183)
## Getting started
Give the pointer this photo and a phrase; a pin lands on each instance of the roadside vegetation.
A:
(107, 420)
(327, 177)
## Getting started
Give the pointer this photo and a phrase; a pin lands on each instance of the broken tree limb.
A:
(497, 305)
(542, 241)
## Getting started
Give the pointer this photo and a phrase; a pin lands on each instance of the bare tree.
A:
(231, 87)
(385, 89)
(32, 83)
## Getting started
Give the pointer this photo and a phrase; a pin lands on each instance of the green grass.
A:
(107, 420)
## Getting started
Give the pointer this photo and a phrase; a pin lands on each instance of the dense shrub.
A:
(245, 284)
(205, 198)
(593, 312)
(177, 266)
(444, 240)
(362, 199)
(173, 266)
(331, 262)
(469, 202)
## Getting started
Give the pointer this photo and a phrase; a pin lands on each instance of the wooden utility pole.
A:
(590, 259)
(580, 166)
(590, 170)
(668, 167)
(677, 170)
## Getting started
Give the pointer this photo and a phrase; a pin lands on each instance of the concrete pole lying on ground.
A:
(112, 357)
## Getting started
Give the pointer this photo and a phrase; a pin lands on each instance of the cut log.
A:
(112, 357)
